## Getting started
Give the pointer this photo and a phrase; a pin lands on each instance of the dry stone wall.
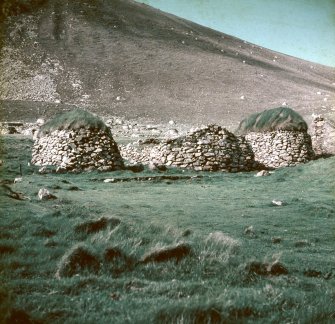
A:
(78, 150)
(209, 149)
(281, 148)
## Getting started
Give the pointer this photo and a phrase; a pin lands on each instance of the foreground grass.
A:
(227, 220)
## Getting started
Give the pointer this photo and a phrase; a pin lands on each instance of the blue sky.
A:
(301, 28)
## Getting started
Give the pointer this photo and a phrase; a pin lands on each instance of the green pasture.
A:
(234, 231)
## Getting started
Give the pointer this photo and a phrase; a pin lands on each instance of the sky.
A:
(301, 28)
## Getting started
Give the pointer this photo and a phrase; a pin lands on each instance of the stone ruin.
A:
(81, 146)
(209, 149)
(323, 135)
(278, 137)
(271, 139)
(281, 142)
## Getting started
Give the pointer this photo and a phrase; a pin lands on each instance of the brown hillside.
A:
(120, 57)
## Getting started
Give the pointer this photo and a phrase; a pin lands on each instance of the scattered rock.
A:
(172, 133)
(109, 180)
(262, 173)
(277, 203)
(40, 122)
(176, 252)
(43, 170)
(249, 231)
(44, 194)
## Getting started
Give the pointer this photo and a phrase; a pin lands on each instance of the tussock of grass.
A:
(42, 231)
(7, 248)
(281, 118)
(94, 226)
(190, 315)
(168, 253)
(6, 302)
(117, 262)
(73, 120)
(77, 260)
(218, 247)
(266, 269)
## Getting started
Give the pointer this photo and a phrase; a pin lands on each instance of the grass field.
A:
(95, 254)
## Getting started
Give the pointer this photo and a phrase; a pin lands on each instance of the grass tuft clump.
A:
(190, 315)
(162, 254)
(5, 303)
(281, 118)
(78, 259)
(93, 226)
(73, 120)
(117, 262)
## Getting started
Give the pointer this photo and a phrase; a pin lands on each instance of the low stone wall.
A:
(77, 149)
(209, 149)
(281, 148)
(135, 153)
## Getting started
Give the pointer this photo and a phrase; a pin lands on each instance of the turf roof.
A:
(72, 120)
(281, 118)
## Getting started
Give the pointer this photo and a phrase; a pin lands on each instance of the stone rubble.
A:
(44, 194)
(212, 148)
(323, 135)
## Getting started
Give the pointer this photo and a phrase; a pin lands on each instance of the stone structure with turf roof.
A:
(278, 137)
(76, 140)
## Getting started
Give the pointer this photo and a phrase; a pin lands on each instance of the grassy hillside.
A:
(127, 59)
(92, 254)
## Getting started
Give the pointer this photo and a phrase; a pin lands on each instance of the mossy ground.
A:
(210, 285)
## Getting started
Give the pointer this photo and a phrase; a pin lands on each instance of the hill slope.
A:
(120, 57)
